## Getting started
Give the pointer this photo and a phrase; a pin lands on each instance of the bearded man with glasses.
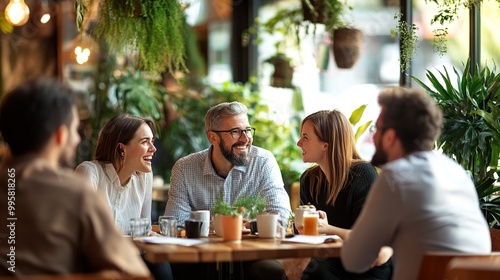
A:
(230, 168)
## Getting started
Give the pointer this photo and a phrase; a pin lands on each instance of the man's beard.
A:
(67, 160)
(67, 157)
(231, 156)
(380, 156)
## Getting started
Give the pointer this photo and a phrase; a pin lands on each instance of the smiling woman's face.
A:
(139, 151)
(313, 149)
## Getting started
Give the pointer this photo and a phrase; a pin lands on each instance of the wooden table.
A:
(248, 249)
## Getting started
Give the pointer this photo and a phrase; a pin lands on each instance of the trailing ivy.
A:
(150, 31)
(409, 39)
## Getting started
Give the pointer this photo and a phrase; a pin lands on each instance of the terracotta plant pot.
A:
(231, 227)
(346, 46)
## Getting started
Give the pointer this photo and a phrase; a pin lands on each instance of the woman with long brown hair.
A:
(337, 184)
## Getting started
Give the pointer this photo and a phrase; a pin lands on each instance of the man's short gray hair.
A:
(216, 114)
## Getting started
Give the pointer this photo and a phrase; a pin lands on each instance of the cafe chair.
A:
(495, 239)
(434, 264)
(483, 268)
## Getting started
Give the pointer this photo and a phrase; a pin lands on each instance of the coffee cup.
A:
(202, 215)
(267, 224)
(253, 227)
(193, 228)
(299, 214)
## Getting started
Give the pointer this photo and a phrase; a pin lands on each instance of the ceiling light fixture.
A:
(17, 12)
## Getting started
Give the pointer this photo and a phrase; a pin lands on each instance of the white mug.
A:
(299, 214)
(204, 216)
(267, 225)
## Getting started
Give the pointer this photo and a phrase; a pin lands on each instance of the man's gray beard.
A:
(231, 156)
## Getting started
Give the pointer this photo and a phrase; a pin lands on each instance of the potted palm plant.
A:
(151, 31)
(471, 132)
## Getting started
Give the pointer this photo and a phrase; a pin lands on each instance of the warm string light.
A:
(45, 12)
(82, 54)
(17, 12)
(85, 49)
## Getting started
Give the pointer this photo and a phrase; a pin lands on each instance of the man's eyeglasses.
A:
(236, 132)
(373, 128)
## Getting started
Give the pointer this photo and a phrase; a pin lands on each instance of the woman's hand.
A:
(153, 233)
(383, 256)
(323, 223)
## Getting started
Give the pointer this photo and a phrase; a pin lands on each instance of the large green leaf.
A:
(357, 114)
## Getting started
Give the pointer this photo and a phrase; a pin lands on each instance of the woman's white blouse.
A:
(125, 202)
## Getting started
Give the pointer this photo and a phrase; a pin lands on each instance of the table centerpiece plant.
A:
(228, 220)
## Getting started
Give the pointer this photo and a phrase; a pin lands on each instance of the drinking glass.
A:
(310, 222)
(139, 227)
(168, 226)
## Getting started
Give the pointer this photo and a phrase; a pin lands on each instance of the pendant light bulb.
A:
(17, 12)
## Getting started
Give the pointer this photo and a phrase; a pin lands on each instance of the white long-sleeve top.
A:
(419, 203)
(125, 202)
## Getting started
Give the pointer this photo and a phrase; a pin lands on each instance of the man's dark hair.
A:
(414, 116)
(32, 112)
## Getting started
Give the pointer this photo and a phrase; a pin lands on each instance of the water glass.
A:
(139, 227)
(168, 226)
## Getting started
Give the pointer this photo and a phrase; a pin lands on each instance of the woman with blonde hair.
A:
(337, 185)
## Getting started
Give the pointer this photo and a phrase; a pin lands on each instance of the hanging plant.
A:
(346, 46)
(447, 13)
(149, 31)
(409, 39)
(328, 12)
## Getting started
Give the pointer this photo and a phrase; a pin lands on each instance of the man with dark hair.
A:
(54, 222)
(422, 201)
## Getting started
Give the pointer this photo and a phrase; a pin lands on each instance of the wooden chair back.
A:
(481, 268)
(295, 195)
(434, 264)
(495, 239)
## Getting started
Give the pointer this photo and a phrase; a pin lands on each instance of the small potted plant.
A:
(228, 220)
(253, 206)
